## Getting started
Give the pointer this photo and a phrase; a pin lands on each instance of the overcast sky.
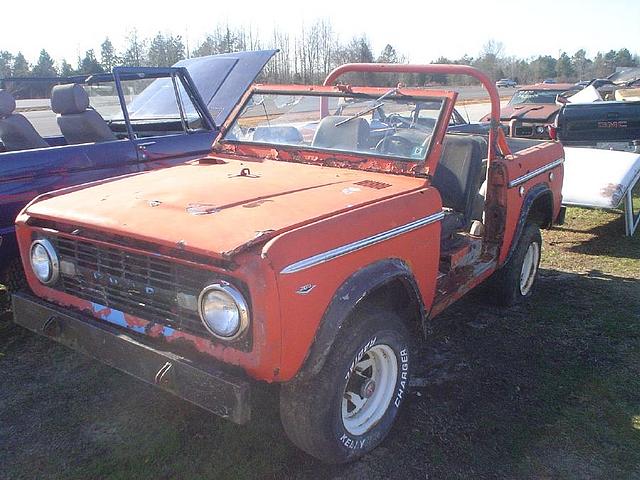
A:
(422, 30)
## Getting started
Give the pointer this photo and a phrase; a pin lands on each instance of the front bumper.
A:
(208, 387)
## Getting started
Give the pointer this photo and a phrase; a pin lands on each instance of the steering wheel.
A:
(395, 145)
(397, 121)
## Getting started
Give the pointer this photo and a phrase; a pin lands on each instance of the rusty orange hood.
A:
(219, 209)
(530, 112)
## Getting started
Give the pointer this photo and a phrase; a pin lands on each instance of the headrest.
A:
(7, 103)
(66, 99)
(341, 133)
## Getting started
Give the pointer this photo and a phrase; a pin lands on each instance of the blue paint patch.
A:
(168, 331)
(114, 316)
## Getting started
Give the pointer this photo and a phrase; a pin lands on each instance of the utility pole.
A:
(186, 41)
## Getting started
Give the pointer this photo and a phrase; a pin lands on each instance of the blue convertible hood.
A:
(223, 79)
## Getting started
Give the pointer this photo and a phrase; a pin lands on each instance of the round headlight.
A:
(223, 310)
(539, 130)
(44, 261)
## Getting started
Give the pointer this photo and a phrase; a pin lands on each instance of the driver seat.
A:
(458, 178)
(78, 122)
(352, 135)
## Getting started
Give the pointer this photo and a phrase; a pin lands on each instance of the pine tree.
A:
(21, 66)
(66, 70)
(6, 59)
(388, 55)
(45, 66)
(581, 64)
(89, 64)
(108, 57)
(623, 58)
(564, 67)
(165, 50)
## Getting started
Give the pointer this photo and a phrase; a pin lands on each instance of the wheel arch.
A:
(386, 280)
(537, 207)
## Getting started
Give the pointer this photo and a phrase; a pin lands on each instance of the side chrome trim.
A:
(360, 244)
(535, 173)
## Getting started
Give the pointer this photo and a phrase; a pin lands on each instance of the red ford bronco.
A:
(326, 224)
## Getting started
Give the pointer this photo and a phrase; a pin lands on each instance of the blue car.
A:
(132, 120)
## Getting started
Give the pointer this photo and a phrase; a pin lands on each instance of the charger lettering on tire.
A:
(404, 376)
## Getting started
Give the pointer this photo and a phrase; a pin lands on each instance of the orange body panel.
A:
(256, 212)
(520, 164)
(260, 362)
(180, 206)
(302, 313)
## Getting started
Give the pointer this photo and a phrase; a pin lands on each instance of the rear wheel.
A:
(348, 408)
(529, 268)
(515, 280)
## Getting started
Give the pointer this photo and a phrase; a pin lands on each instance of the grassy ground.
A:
(547, 390)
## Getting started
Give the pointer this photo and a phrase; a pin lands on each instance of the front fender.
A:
(347, 298)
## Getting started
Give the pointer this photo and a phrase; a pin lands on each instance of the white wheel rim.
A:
(529, 268)
(369, 390)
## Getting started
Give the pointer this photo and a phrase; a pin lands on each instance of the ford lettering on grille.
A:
(142, 285)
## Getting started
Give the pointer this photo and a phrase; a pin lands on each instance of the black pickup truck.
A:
(602, 157)
(612, 125)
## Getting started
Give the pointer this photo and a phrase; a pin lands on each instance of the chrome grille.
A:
(148, 287)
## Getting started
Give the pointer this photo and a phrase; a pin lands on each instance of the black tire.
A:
(505, 284)
(312, 411)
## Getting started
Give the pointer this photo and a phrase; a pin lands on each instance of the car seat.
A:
(16, 133)
(277, 134)
(78, 122)
(458, 178)
(352, 135)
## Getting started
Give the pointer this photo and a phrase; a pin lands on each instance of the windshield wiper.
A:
(378, 103)
(359, 114)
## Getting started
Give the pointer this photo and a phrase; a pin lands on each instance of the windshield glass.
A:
(535, 96)
(387, 125)
(103, 97)
(147, 99)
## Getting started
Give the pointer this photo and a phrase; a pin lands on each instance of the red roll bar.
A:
(496, 135)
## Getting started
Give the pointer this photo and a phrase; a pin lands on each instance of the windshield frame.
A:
(349, 159)
(173, 74)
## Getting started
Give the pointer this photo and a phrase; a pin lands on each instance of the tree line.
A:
(308, 56)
